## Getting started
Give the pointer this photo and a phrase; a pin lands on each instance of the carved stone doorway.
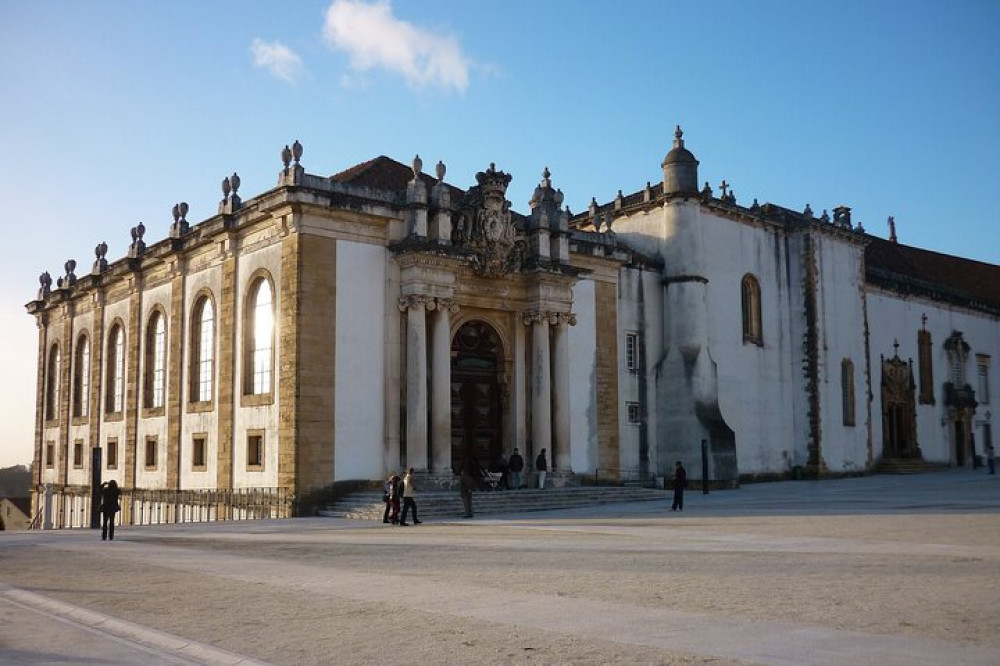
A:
(476, 405)
(899, 425)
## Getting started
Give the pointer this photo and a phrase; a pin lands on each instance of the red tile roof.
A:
(385, 173)
(912, 269)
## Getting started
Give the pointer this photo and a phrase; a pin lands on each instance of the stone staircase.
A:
(448, 504)
(907, 466)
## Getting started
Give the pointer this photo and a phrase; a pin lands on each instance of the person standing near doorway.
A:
(516, 466)
(468, 482)
(542, 467)
(110, 505)
(680, 481)
(409, 501)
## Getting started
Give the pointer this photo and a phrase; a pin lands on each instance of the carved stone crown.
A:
(493, 183)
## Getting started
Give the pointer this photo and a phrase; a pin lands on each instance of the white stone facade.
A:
(418, 324)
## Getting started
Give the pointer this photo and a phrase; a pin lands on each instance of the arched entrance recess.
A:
(476, 405)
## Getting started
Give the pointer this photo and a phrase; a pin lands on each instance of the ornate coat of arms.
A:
(485, 228)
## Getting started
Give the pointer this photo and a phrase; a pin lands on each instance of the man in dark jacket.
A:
(541, 466)
(680, 481)
(516, 466)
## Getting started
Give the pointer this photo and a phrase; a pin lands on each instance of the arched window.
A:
(52, 385)
(202, 370)
(847, 390)
(81, 377)
(156, 359)
(114, 377)
(259, 338)
(752, 331)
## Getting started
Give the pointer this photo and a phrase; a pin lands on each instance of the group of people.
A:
(397, 489)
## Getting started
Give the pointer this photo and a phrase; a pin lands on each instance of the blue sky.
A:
(114, 111)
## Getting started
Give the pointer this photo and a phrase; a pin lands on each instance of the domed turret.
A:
(680, 169)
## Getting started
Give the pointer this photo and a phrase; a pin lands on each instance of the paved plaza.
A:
(886, 570)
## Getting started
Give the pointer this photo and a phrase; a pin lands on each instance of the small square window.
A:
(78, 454)
(112, 453)
(255, 450)
(198, 452)
(50, 455)
(151, 453)
(632, 409)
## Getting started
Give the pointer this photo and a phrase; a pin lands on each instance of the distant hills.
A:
(15, 481)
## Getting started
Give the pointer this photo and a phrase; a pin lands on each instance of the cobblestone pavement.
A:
(877, 570)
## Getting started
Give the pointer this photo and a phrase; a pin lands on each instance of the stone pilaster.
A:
(65, 379)
(561, 458)
(416, 380)
(228, 389)
(307, 388)
(96, 364)
(132, 407)
(441, 386)
(175, 373)
(42, 321)
(541, 383)
(606, 302)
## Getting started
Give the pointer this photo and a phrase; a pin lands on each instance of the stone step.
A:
(910, 466)
(369, 506)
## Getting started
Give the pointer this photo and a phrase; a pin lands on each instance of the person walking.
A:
(990, 461)
(515, 465)
(110, 505)
(409, 492)
(468, 482)
(387, 497)
(395, 497)
(542, 467)
(680, 481)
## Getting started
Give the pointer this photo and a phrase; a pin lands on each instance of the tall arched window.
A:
(847, 390)
(752, 331)
(202, 370)
(259, 338)
(156, 360)
(52, 385)
(81, 377)
(114, 377)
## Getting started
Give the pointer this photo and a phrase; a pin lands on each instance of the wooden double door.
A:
(475, 396)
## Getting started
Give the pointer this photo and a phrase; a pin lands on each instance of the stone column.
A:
(441, 386)
(541, 384)
(416, 380)
(560, 392)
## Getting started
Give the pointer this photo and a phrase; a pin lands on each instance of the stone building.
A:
(337, 328)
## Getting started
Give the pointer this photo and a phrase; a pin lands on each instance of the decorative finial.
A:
(558, 197)
(101, 250)
(593, 206)
(182, 208)
(70, 266)
(808, 212)
(140, 230)
(440, 170)
(286, 156)
(176, 212)
(609, 218)
(418, 165)
(234, 180)
(226, 187)
(678, 133)
(825, 217)
(297, 151)
(923, 321)
(892, 229)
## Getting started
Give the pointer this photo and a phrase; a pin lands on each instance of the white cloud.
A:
(373, 37)
(278, 59)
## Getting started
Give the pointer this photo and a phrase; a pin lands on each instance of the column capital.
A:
(443, 305)
(415, 301)
(530, 317)
(566, 319)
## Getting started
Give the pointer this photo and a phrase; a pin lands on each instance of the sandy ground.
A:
(547, 589)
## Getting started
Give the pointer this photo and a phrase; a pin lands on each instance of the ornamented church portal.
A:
(475, 395)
